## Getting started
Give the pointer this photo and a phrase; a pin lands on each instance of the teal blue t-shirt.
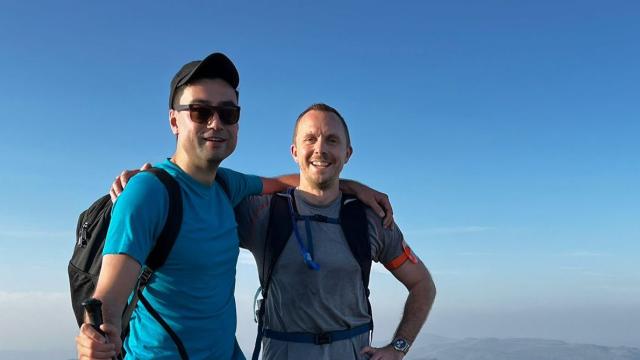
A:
(194, 290)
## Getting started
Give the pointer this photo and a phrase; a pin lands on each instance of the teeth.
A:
(319, 163)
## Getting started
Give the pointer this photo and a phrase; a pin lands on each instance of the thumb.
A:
(114, 335)
(91, 333)
(377, 209)
(110, 330)
(145, 166)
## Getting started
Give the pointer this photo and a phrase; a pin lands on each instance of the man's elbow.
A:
(431, 290)
(427, 288)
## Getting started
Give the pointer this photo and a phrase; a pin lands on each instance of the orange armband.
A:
(407, 254)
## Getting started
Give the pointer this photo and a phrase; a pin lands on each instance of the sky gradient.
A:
(505, 133)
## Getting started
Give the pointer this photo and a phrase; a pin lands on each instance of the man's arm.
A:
(377, 201)
(280, 183)
(118, 276)
(422, 292)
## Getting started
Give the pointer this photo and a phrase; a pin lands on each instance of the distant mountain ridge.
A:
(439, 348)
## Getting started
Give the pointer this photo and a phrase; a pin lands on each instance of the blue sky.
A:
(505, 133)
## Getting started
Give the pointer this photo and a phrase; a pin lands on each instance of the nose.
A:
(215, 122)
(320, 146)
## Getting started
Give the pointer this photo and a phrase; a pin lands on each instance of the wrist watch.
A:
(401, 345)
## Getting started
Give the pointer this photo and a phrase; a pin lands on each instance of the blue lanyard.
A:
(307, 254)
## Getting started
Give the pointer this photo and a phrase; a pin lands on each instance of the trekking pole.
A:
(93, 307)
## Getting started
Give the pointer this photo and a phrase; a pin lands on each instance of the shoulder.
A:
(232, 175)
(239, 185)
(145, 186)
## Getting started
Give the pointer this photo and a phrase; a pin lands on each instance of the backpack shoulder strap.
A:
(169, 233)
(158, 256)
(353, 220)
(278, 232)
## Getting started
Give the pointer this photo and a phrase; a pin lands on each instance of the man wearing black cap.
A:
(194, 290)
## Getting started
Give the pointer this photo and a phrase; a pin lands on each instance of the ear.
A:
(349, 153)
(173, 121)
(294, 152)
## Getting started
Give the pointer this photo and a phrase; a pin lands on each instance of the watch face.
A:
(400, 344)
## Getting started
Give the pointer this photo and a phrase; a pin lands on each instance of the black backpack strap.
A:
(169, 234)
(353, 220)
(158, 256)
(181, 349)
(278, 233)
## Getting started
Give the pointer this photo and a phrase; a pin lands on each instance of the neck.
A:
(203, 173)
(317, 195)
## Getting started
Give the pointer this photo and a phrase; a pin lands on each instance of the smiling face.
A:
(321, 149)
(205, 144)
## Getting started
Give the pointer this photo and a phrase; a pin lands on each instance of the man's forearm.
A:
(112, 312)
(416, 309)
(349, 186)
(118, 276)
(280, 183)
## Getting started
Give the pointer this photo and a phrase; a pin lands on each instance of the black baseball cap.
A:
(214, 66)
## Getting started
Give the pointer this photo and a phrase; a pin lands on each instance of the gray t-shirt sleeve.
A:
(252, 216)
(386, 244)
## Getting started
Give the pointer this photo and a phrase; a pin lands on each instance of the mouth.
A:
(215, 139)
(320, 164)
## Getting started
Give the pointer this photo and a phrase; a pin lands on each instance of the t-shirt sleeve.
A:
(240, 185)
(388, 246)
(137, 217)
(252, 216)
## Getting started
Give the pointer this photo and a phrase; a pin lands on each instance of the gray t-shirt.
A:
(314, 301)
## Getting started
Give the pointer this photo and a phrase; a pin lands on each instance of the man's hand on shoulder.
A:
(376, 200)
(121, 181)
(383, 353)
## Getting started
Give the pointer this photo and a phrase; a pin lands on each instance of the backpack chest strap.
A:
(318, 339)
(317, 218)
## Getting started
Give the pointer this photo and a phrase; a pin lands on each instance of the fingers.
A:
(87, 331)
(375, 206)
(113, 334)
(116, 189)
(91, 345)
(388, 217)
(112, 194)
(368, 350)
(386, 209)
(121, 181)
(124, 177)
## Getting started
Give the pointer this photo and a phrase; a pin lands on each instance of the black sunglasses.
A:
(202, 114)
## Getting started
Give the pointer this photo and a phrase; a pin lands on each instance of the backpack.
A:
(86, 261)
(282, 211)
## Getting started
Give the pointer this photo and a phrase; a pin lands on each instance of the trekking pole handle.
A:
(93, 307)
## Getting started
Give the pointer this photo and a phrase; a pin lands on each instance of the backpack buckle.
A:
(145, 276)
(322, 339)
(320, 218)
